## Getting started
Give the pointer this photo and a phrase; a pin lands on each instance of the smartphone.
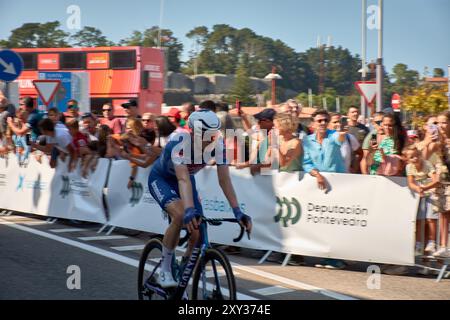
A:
(434, 131)
(343, 122)
(373, 138)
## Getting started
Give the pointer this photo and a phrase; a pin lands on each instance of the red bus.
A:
(116, 74)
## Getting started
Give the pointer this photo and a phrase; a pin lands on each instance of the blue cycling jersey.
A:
(162, 181)
(180, 150)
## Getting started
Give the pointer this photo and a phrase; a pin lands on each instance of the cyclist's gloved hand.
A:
(190, 219)
(245, 220)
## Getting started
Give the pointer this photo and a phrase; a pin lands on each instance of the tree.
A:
(242, 89)
(149, 38)
(425, 100)
(405, 80)
(198, 35)
(90, 37)
(337, 66)
(438, 72)
(37, 35)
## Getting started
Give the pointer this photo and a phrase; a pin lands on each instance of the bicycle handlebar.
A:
(217, 222)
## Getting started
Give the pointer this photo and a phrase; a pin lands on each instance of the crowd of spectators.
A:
(330, 143)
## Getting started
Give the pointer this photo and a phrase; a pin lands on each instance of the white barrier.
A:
(362, 218)
(40, 190)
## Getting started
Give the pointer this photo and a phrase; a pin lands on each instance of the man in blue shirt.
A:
(322, 153)
(322, 149)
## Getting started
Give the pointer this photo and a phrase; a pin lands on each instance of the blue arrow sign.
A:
(11, 65)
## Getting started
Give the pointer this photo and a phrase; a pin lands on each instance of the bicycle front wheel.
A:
(149, 266)
(213, 278)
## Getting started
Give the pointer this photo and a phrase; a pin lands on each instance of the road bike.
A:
(213, 277)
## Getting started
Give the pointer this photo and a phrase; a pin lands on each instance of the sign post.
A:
(46, 89)
(395, 102)
(368, 89)
(11, 66)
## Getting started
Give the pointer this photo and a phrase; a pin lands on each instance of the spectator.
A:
(289, 149)
(148, 120)
(4, 114)
(349, 146)
(322, 151)
(423, 179)
(125, 143)
(73, 110)
(163, 130)
(377, 129)
(21, 145)
(9, 106)
(131, 109)
(187, 109)
(174, 116)
(444, 134)
(294, 109)
(54, 115)
(110, 120)
(360, 131)
(59, 138)
(32, 125)
(208, 105)
(261, 142)
(383, 158)
(89, 128)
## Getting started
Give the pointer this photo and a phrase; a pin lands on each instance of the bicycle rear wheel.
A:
(213, 278)
(149, 266)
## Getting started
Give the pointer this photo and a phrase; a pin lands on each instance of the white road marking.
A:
(293, 283)
(102, 238)
(62, 230)
(129, 248)
(271, 290)
(101, 252)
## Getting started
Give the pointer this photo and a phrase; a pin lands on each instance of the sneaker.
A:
(442, 253)
(334, 264)
(165, 280)
(418, 251)
(430, 248)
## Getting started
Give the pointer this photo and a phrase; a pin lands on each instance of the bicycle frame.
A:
(197, 254)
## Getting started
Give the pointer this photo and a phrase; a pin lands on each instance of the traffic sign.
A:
(11, 65)
(46, 89)
(395, 102)
(368, 89)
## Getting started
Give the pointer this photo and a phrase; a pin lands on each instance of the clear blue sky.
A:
(417, 32)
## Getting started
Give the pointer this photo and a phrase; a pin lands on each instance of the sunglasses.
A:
(107, 109)
(322, 121)
(378, 122)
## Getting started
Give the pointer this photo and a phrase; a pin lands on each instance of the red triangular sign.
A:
(368, 89)
(46, 89)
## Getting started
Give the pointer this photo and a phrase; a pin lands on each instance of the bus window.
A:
(73, 60)
(144, 79)
(29, 60)
(123, 59)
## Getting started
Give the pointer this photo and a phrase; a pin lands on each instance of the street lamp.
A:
(273, 76)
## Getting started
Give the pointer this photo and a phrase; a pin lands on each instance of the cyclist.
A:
(171, 183)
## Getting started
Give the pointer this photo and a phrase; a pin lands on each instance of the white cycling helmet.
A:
(206, 118)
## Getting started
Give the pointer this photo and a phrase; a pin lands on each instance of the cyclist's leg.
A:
(193, 239)
(165, 192)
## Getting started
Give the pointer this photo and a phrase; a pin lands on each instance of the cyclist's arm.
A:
(184, 185)
(223, 174)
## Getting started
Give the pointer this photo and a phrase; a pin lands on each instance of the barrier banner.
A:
(132, 208)
(44, 191)
(360, 217)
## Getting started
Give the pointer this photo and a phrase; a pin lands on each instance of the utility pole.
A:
(380, 58)
(363, 52)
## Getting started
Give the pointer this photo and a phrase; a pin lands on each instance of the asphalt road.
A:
(35, 257)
